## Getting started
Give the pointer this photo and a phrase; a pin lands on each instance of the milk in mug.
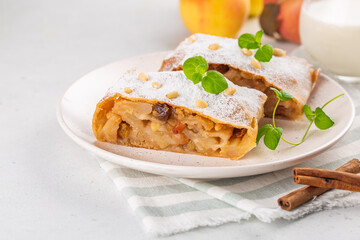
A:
(330, 33)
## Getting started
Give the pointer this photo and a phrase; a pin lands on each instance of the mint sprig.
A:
(212, 81)
(273, 134)
(282, 95)
(264, 53)
(194, 68)
(322, 121)
(247, 40)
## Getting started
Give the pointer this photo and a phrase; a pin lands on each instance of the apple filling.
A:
(161, 126)
(289, 109)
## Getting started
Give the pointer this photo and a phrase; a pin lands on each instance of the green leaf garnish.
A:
(282, 95)
(195, 65)
(272, 137)
(308, 113)
(273, 134)
(264, 53)
(262, 131)
(247, 40)
(197, 77)
(258, 36)
(277, 92)
(202, 68)
(285, 96)
(250, 41)
(322, 121)
(212, 81)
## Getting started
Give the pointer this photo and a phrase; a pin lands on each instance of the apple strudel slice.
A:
(294, 75)
(166, 111)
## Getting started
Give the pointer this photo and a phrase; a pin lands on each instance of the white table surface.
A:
(50, 188)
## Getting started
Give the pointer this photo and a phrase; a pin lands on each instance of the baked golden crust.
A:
(143, 118)
(134, 123)
(291, 74)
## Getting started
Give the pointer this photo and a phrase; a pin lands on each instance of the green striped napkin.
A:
(167, 206)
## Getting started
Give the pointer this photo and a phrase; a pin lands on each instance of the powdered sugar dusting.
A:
(238, 109)
(285, 73)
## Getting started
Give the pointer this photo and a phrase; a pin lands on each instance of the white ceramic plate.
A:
(76, 107)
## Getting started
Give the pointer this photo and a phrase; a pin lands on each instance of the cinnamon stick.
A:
(327, 179)
(305, 194)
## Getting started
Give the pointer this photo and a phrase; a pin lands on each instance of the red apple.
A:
(281, 19)
(289, 20)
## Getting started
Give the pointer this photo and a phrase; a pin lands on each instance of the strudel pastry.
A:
(291, 74)
(166, 111)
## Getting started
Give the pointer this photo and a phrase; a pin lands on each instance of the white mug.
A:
(330, 34)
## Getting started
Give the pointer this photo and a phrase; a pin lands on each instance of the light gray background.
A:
(49, 187)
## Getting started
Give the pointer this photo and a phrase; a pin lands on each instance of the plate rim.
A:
(131, 161)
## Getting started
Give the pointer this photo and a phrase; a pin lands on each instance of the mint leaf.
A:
(214, 82)
(262, 131)
(197, 77)
(264, 53)
(322, 121)
(258, 36)
(285, 96)
(308, 113)
(250, 41)
(277, 92)
(247, 40)
(194, 65)
(282, 95)
(201, 68)
(272, 137)
(274, 134)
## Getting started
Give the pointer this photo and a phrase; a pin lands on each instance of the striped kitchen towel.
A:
(167, 206)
